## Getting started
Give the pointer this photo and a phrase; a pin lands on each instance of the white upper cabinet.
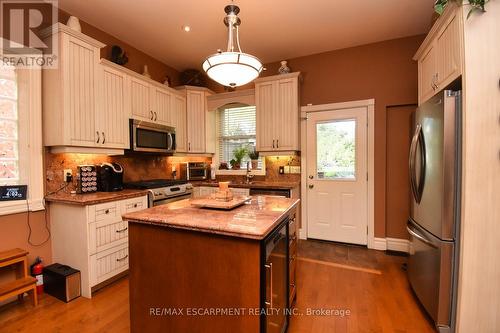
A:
(277, 106)
(151, 101)
(179, 121)
(140, 99)
(200, 122)
(114, 113)
(70, 92)
(440, 55)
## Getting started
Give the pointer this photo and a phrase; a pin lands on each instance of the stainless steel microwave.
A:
(152, 138)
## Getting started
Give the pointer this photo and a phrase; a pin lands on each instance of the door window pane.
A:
(336, 149)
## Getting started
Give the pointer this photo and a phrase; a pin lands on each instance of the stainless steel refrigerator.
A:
(433, 225)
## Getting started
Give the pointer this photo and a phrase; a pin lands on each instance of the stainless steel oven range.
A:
(163, 191)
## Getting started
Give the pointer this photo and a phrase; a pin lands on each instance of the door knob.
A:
(311, 177)
(311, 186)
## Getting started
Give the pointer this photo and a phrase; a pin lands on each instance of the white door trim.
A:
(370, 107)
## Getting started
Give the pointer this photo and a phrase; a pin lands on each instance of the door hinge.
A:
(367, 176)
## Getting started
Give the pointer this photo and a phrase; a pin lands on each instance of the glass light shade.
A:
(232, 69)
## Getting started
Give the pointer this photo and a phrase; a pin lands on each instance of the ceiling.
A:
(272, 30)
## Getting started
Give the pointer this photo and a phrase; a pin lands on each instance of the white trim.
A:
(398, 244)
(369, 104)
(379, 244)
(86, 150)
(20, 206)
(29, 82)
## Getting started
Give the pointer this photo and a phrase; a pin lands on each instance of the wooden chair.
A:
(23, 282)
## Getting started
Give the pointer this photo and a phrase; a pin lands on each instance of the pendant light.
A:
(232, 68)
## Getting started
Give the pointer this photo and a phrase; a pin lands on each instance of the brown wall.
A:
(397, 176)
(384, 71)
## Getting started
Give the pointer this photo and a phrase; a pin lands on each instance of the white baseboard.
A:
(392, 244)
(379, 244)
(398, 244)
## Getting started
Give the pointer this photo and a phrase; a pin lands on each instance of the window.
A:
(336, 149)
(21, 152)
(236, 129)
(9, 149)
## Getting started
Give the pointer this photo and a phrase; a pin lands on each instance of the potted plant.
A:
(254, 157)
(238, 154)
(475, 5)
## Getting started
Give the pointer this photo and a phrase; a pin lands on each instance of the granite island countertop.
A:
(253, 220)
(254, 184)
(94, 198)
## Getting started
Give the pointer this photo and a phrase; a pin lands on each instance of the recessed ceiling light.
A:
(186, 28)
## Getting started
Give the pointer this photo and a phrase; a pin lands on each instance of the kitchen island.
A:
(201, 270)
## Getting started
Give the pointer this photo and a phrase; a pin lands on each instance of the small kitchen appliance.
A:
(194, 170)
(110, 177)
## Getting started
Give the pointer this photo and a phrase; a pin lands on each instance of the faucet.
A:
(249, 173)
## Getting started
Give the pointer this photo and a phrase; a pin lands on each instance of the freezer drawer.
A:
(430, 267)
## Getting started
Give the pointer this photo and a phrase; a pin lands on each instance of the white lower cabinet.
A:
(93, 238)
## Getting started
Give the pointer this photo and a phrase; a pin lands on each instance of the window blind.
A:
(236, 128)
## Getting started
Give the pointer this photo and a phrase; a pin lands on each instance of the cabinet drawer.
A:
(106, 264)
(107, 234)
(109, 211)
(134, 204)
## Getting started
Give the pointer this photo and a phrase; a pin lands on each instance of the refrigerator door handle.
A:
(415, 234)
(411, 163)
(423, 164)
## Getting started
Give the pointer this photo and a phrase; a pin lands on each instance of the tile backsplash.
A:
(142, 166)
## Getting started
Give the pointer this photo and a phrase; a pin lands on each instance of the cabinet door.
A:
(112, 121)
(426, 72)
(80, 91)
(195, 101)
(179, 121)
(265, 105)
(448, 53)
(287, 115)
(162, 102)
(140, 99)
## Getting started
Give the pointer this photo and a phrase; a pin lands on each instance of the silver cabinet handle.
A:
(103, 138)
(121, 259)
(270, 267)
(151, 114)
(189, 146)
(273, 143)
(156, 116)
(98, 137)
(121, 230)
(277, 143)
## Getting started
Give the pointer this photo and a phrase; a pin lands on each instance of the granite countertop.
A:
(93, 198)
(254, 184)
(254, 220)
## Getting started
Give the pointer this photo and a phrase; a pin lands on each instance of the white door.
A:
(337, 175)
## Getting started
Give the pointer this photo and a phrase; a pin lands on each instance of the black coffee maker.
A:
(109, 177)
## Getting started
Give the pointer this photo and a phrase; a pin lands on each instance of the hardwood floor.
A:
(370, 284)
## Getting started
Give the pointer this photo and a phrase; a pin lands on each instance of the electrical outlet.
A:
(67, 175)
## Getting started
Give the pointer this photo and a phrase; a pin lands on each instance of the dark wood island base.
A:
(185, 280)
